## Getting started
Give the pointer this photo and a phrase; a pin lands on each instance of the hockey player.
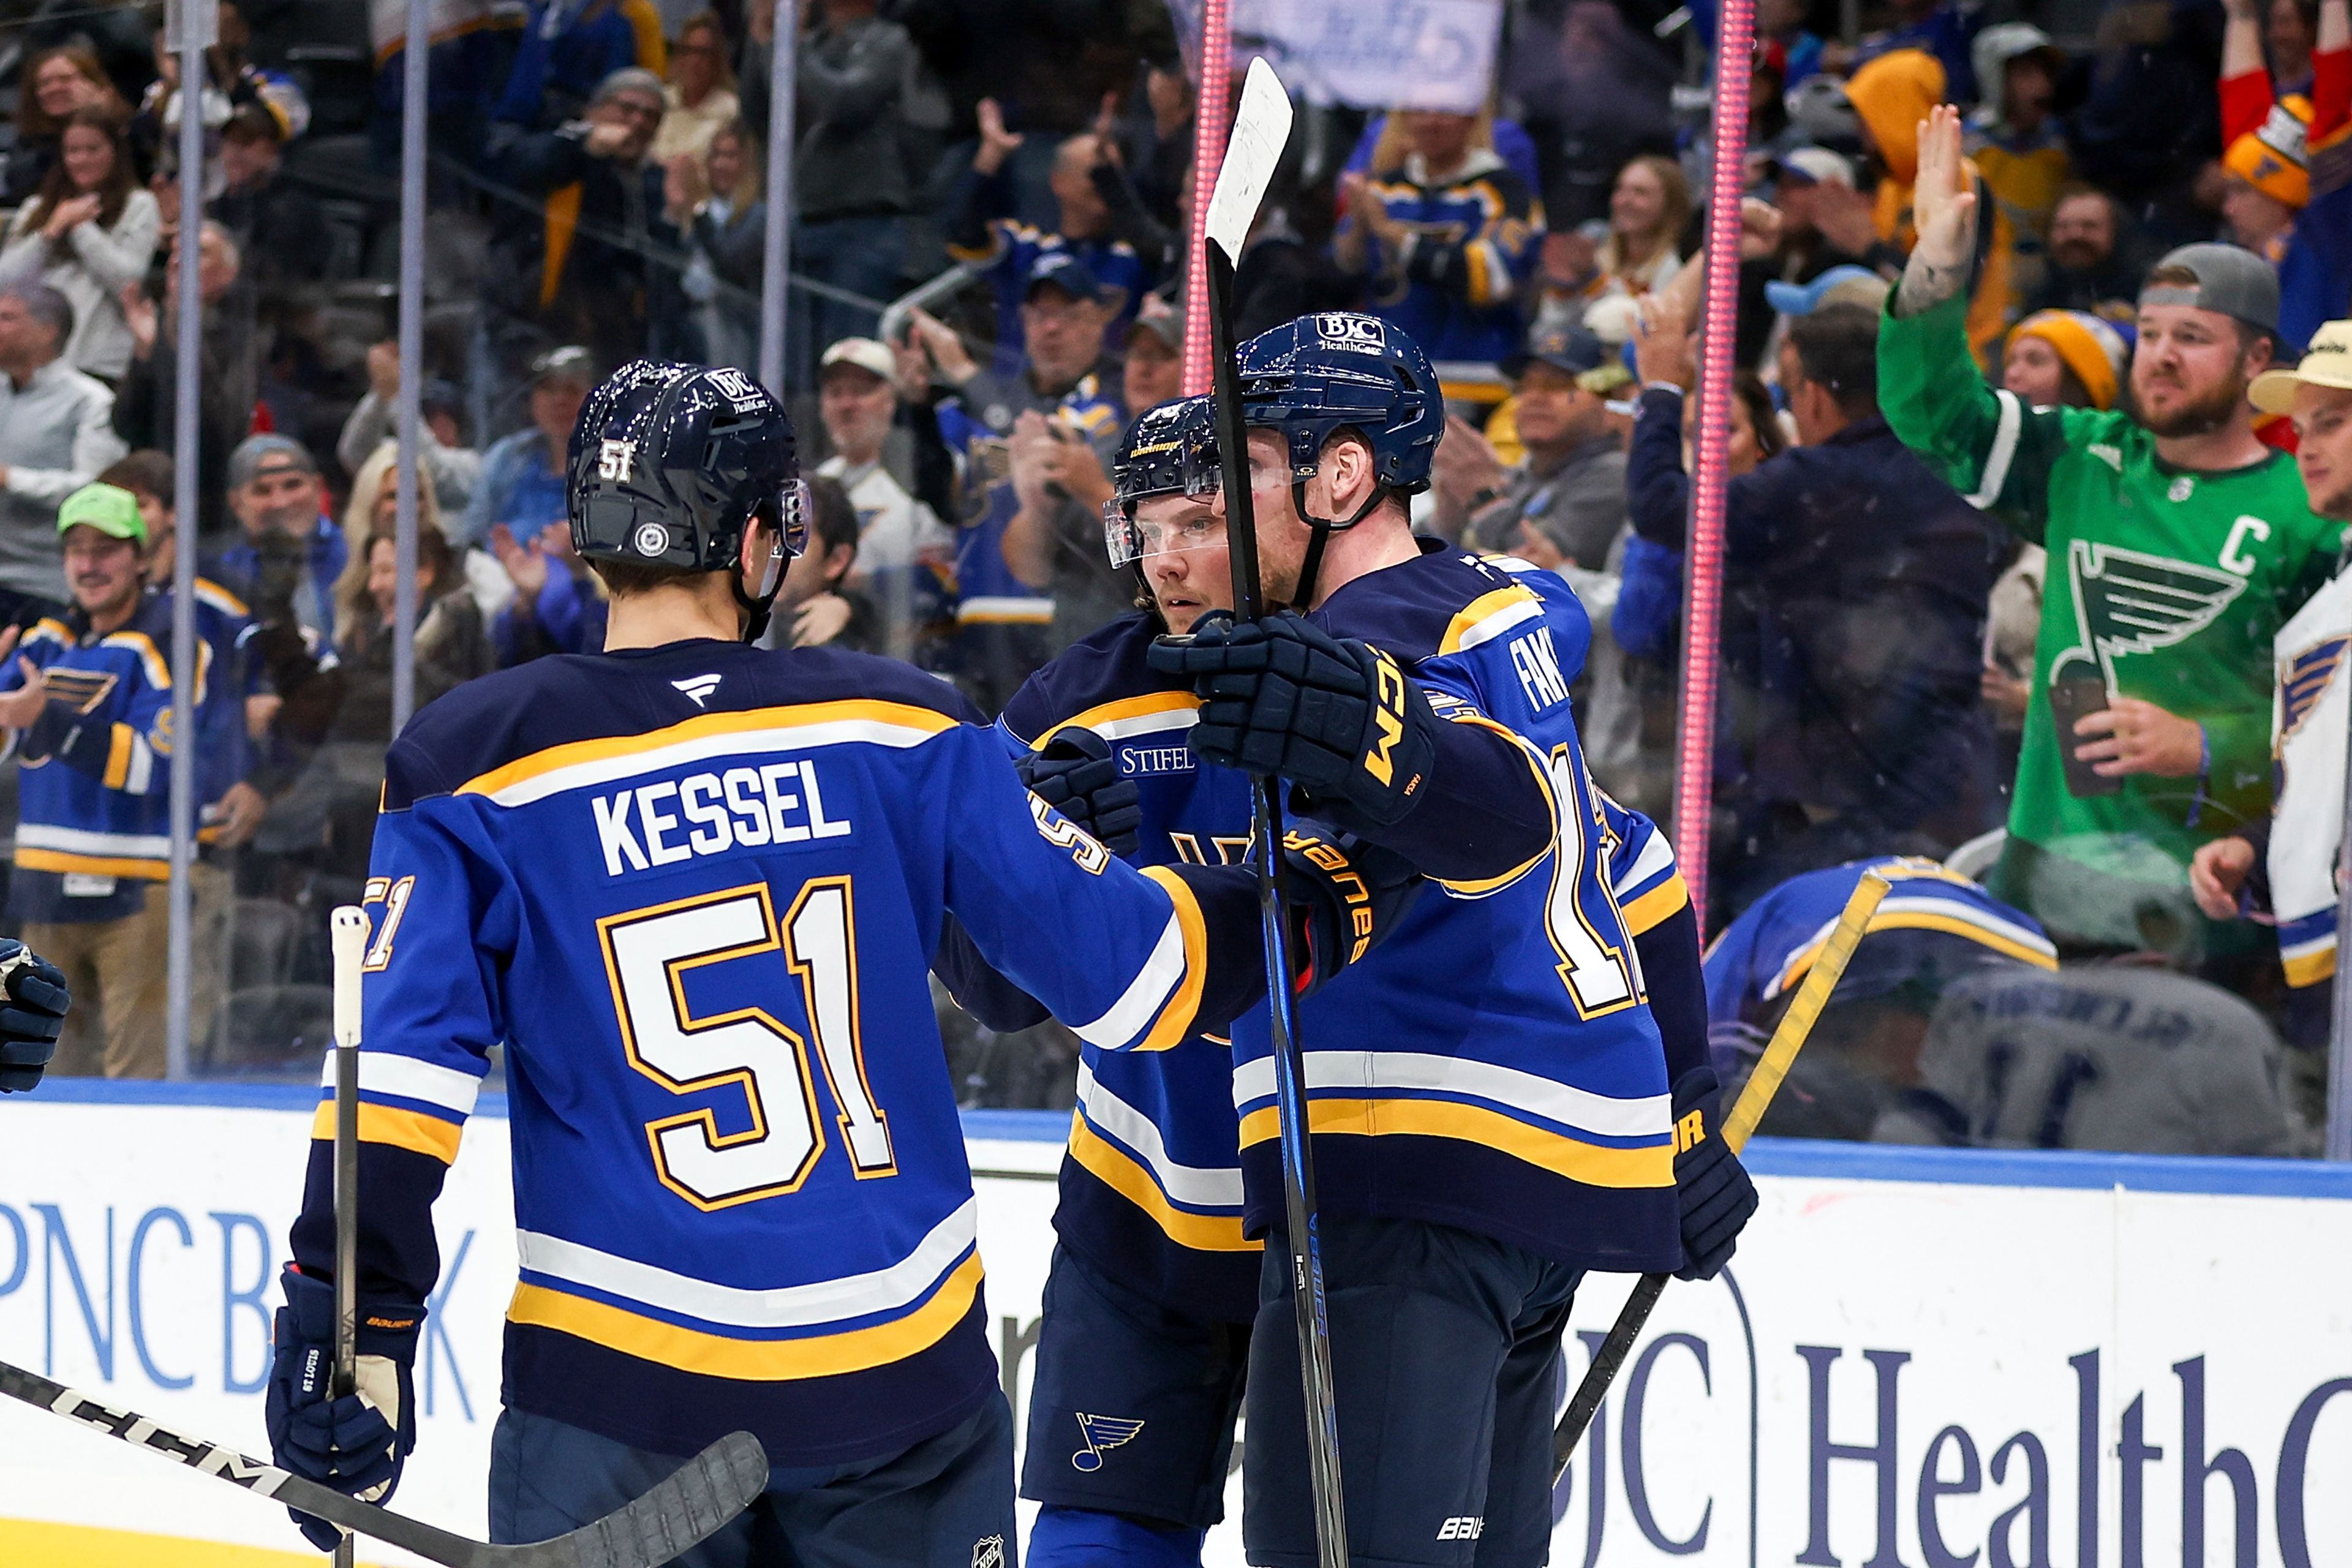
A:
(1154, 1286)
(1491, 1107)
(692, 888)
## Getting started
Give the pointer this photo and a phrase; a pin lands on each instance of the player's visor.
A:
(1195, 524)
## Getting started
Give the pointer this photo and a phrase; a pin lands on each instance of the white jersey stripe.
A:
(1139, 1004)
(1195, 1186)
(811, 1305)
(1651, 1116)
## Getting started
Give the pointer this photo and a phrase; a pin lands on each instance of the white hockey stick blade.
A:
(672, 1518)
(1261, 131)
(347, 934)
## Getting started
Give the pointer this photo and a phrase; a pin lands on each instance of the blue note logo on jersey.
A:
(2305, 682)
(1099, 1433)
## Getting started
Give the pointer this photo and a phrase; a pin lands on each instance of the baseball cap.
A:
(110, 509)
(1162, 320)
(569, 362)
(2233, 281)
(1816, 166)
(1566, 347)
(1838, 286)
(1063, 271)
(866, 353)
(2327, 363)
(245, 463)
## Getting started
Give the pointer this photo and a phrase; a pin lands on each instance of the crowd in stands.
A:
(1983, 423)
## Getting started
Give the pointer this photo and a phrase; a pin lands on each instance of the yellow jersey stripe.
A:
(1143, 707)
(1660, 903)
(1592, 1165)
(95, 864)
(1923, 919)
(1460, 633)
(2309, 968)
(800, 716)
(1117, 1170)
(395, 1125)
(118, 757)
(158, 671)
(1175, 1019)
(705, 1355)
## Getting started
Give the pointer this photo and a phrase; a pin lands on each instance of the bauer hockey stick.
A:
(1261, 130)
(347, 933)
(1786, 1040)
(674, 1517)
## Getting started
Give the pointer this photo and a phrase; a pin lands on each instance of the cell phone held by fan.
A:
(2073, 698)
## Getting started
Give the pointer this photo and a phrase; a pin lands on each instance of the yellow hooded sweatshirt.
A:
(1892, 95)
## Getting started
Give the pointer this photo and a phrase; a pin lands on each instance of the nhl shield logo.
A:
(987, 1552)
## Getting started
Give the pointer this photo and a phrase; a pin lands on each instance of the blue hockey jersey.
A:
(1151, 1184)
(1011, 254)
(1492, 1066)
(1932, 923)
(694, 892)
(93, 808)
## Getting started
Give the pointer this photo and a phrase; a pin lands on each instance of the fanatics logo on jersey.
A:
(1099, 1432)
(700, 688)
(651, 539)
(987, 1552)
(616, 460)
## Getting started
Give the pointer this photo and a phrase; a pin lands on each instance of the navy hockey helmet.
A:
(1338, 370)
(669, 463)
(1170, 449)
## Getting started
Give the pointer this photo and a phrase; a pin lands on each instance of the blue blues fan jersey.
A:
(225, 752)
(1469, 241)
(694, 892)
(1491, 1067)
(1948, 923)
(987, 593)
(1152, 1184)
(94, 790)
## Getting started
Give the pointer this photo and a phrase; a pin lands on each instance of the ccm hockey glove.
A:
(1076, 774)
(1346, 896)
(1334, 716)
(32, 1013)
(356, 1444)
(1716, 1195)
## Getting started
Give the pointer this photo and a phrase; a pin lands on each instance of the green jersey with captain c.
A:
(2164, 584)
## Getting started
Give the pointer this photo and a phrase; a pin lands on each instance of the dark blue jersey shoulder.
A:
(565, 698)
(1104, 666)
(1408, 609)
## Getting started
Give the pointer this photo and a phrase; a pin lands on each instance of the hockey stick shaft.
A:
(1795, 1026)
(1289, 1062)
(672, 1518)
(347, 940)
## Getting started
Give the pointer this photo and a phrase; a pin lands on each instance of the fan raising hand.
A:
(1943, 200)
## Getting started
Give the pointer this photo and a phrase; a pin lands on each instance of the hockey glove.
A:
(356, 1444)
(1712, 1185)
(1334, 716)
(1076, 774)
(1346, 896)
(33, 1012)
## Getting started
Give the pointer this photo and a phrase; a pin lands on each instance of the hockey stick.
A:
(347, 933)
(1763, 1083)
(674, 1517)
(1261, 130)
